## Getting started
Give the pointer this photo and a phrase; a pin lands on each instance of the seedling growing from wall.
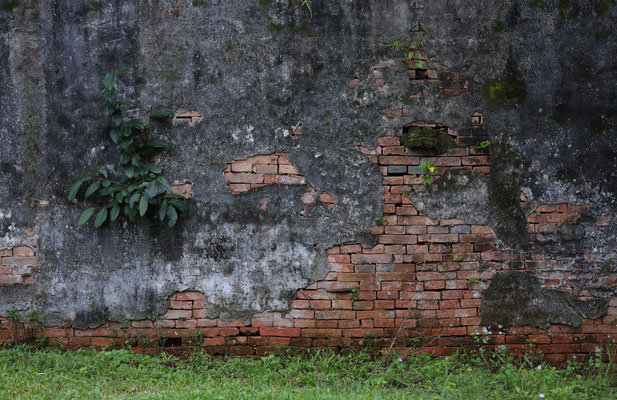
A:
(427, 170)
(142, 185)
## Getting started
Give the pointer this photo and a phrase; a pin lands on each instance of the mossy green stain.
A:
(305, 30)
(169, 75)
(560, 113)
(408, 98)
(569, 11)
(500, 26)
(599, 124)
(275, 28)
(538, 4)
(601, 6)
(364, 128)
(264, 3)
(505, 90)
(427, 140)
(10, 6)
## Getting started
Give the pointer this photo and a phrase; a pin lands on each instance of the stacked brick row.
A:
(258, 171)
(544, 222)
(16, 264)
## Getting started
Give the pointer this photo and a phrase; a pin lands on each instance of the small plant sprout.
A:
(482, 145)
(427, 169)
(473, 280)
(606, 265)
(381, 221)
(414, 55)
(458, 260)
(355, 295)
(397, 46)
(307, 4)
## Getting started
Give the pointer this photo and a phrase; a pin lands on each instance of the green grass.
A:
(27, 373)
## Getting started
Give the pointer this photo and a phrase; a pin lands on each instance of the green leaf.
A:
(106, 192)
(115, 211)
(153, 189)
(100, 217)
(163, 210)
(120, 196)
(135, 160)
(179, 204)
(130, 172)
(125, 71)
(127, 142)
(165, 184)
(116, 119)
(157, 143)
(74, 189)
(115, 135)
(606, 265)
(134, 124)
(106, 183)
(92, 188)
(154, 168)
(420, 64)
(173, 216)
(132, 214)
(133, 199)
(125, 103)
(124, 158)
(143, 206)
(102, 172)
(109, 82)
(163, 113)
(108, 96)
(85, 216)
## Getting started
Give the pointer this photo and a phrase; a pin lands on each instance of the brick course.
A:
(16, 265)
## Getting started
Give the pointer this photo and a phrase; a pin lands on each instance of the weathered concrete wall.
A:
(269, 79)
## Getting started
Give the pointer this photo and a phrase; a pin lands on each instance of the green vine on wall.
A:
(142, 186)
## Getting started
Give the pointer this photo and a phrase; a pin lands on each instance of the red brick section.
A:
(189, 116)
(545, 220)
(449, 83)
(183, 189)
(425, 275)
(258, 171)
(16, 264)
(262, 170)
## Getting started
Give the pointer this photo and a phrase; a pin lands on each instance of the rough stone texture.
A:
(459, 194)
(255, 70)
(528, 303)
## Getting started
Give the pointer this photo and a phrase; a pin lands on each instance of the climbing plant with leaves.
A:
(140, 185)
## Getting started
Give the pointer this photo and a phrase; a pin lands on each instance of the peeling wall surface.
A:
(299, 140)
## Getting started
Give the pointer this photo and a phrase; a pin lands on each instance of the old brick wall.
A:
(301, 142)
(421, 286)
